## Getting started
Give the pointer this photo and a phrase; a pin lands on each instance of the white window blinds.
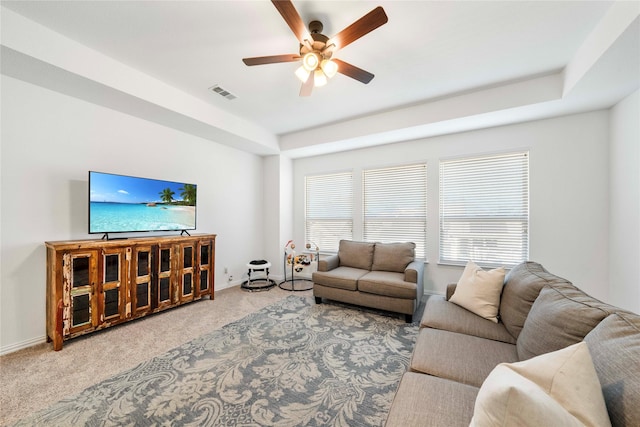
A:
(484, 210)
(329, 209)
(395, 205)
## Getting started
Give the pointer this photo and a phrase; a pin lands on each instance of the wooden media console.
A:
(94, 284)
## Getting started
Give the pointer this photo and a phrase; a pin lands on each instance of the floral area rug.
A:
(293, 363)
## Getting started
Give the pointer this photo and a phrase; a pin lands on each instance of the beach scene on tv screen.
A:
(119, 203)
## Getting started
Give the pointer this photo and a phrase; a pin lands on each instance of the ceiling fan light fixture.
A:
(319, 78)
(310, 61)
(317, 50)
(302, 73)
(329, 67)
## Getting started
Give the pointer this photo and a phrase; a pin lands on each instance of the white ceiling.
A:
(429, 53)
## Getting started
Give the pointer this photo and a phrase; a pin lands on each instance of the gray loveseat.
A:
(539, 313)
(385, 276)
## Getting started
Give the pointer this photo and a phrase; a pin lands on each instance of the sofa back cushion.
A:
(561, 315)
(356, 254)
(393, 256)
(615, 349)
(521, 288)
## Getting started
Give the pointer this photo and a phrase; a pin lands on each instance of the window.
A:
(328, 209)
(395, 205)
(484, 210)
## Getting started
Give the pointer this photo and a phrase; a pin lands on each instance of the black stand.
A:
(106, 237)
(303, 284)
(185, 232)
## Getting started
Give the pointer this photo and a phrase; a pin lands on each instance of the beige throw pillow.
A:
(479, 291)
(554, 389)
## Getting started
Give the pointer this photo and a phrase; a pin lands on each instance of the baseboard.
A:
(233, 283)
(21, 345)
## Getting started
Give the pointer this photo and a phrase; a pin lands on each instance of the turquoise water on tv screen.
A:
(120, 217)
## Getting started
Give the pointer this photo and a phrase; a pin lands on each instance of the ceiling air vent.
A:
(223, 92)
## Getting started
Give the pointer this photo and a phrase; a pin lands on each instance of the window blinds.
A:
(395, 205)
(484, 210)
(328, 209)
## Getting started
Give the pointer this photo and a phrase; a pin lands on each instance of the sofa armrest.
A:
(328, 263)
(451, 288)
(414, 273)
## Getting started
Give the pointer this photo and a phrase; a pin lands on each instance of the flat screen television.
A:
(120, 203)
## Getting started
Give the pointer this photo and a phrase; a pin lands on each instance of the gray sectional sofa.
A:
(539, 313)
(385, 276)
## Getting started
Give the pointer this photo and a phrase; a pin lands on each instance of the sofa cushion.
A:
(356, 254)
(561, 315)
(522, 286)
(441, 314)
(556, 389)
(615, 349)
(458, 357)
(424, 400)
(393, 256)
(341, 277)
(479, 291)
(387, 283)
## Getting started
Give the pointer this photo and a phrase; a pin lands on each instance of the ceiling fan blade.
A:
(353, 71)
(307, 86)
(292, 18)
(362, 26)
(260, 60)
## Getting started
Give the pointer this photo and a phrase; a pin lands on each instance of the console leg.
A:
(318, 300)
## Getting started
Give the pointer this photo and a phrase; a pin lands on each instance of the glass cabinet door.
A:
(186, 272)
(164, 269)
(141, 284)
(80, 272)
(204, 268)
(112, 296)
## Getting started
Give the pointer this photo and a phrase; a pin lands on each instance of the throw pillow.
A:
(558, 388)
(479, 291)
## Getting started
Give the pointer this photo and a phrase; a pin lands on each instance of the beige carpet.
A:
(36, 377)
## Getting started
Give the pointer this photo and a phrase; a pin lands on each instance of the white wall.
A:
(50, 141)
(278, 221)
(624, 221)
(568, 191)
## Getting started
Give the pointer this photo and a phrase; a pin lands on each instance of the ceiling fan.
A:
(316, 49)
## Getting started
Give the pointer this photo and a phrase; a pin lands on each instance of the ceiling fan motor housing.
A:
(318, 46)
(315, 27)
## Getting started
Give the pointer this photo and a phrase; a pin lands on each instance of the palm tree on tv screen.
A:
(167, 195)
(188, 194)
